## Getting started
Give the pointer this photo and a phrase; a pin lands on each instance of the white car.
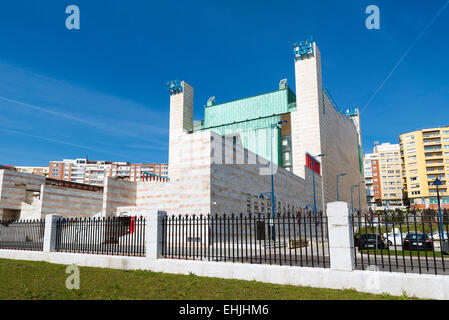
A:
(436, 235)
(394, 238)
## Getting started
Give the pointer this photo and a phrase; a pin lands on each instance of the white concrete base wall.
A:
(420, 286)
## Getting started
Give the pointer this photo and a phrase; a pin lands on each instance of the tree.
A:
(405, 200)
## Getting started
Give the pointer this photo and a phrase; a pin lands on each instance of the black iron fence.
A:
(288, 239)
(110, 236)
(22, 234)
(401, 242)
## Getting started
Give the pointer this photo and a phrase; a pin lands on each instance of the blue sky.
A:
(101, 90)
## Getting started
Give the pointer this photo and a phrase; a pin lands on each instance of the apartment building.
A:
(372, 183)
(390, 173)
(95, 172)
(42, 171)
(383, 176)
(425, 156)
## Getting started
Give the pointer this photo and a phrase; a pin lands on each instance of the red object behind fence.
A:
(313, 164)
(132, 226)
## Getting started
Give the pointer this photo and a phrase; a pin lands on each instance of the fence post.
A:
(50, 232)
(341, 239)
(153, 234)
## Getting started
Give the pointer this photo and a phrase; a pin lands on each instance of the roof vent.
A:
(211, 101)
(283, 84)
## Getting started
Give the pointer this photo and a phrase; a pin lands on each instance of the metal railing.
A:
(401, 242)
(110, 236)
(22, 234)
(288, 239)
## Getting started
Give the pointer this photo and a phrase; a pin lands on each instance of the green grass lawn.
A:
(41, 280)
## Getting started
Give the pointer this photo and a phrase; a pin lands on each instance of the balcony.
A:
(430, 156)
(431, 134)
(432, 142)
(435, 164)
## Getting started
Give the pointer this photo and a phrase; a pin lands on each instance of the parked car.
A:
(370, 241)
(437, 235)
(417, 241)
(394, 238)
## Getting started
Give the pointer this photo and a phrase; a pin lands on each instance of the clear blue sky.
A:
(101, 90)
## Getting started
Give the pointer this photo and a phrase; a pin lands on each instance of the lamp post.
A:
(360, 207)
(273, 198)
(313, 181)
(352, 203)
(438, 183)
(338, 176)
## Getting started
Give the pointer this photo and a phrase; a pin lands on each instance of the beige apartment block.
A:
(390, 173)
(43, 171)
(425, 157)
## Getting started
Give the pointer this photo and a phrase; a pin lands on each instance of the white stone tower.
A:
(181, 122)
(319, 127)
(306, 135)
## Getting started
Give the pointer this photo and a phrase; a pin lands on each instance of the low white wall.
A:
(420, 286)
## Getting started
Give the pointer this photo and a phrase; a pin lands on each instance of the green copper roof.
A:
(256, 107)
(251, 118)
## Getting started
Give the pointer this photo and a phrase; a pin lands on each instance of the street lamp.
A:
(313, 181)
(438, 183)
(338, 176)
(352, 202)
(273, 198)
(360, 207)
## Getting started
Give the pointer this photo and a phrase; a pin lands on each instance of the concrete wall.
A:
(214, 180)
(118, 193)
(32, 198)
(13, 191)
(339, 143)
(70, 202)
(188, 192)
(238, 181)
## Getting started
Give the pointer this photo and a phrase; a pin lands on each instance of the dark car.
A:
(370, 241)
(417, 241)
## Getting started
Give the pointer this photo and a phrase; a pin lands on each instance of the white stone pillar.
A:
(153, 234)
(50, 232)
(341, 239)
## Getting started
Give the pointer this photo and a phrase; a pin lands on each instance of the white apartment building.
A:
(368, 171)
(94, 172)
(390, 173)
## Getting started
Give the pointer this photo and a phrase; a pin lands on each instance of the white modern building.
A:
(226, 162)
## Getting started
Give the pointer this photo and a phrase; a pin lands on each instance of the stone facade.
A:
(318, 128)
